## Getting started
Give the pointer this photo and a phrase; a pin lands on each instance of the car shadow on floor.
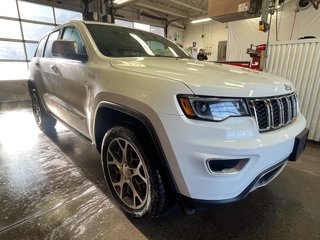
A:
(248, 219)
(255, 217)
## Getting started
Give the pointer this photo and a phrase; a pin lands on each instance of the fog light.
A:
(225, 166)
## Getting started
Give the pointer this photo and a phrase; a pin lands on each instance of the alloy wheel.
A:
(128, 173)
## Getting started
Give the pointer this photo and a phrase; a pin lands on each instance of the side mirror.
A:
(67, 49)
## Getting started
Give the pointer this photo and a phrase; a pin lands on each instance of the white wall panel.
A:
(299, 61)
(245, 32)
(207, 36)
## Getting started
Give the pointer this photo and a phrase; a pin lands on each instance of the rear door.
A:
(41, 69)
(46, 66)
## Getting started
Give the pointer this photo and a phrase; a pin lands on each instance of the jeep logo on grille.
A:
(287, 87)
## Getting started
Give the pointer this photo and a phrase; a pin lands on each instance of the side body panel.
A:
(70, 94)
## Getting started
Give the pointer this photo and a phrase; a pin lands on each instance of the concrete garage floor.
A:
(52, 187)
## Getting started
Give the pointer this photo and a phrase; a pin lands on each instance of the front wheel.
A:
(132, 175)
(44, 121)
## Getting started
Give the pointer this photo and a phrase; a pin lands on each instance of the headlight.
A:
(214, 109)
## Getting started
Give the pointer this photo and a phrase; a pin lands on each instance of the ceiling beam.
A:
(156, 14)
(188, 6)
(117, 6)
(179, 25)
(75, 5)
(159, 8)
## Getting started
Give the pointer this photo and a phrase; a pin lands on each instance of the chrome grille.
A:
(275, 112)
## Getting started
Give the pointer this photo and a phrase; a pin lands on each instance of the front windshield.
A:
(125, 42)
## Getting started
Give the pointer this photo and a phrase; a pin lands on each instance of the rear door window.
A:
(52, 37)
(42, 43)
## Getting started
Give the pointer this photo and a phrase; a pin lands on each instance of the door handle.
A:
(54, 68)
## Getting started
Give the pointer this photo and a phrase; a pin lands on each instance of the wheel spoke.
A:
(119, 186)
(135, 194)
(114, 160)
(136, 172)
(123, 150)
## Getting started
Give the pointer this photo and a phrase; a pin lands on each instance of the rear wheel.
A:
(44, 121)
(132, 174)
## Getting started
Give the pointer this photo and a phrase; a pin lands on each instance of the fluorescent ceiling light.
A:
(201, 20)
(118, 2)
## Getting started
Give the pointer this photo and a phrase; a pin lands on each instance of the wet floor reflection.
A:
(52, 187)
(39, 184)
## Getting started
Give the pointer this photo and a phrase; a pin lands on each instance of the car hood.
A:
(207, 78)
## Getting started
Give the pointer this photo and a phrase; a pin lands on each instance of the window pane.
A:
(63, 16)
(9, 8)
(141, 26)
(52, 37)
(37, 12)
(124, 23)
(41, 47)
(31, 49)
(122, 42)
(157, 30)
(33, 31)
(13, 71)
(10, 29)
(11, 50)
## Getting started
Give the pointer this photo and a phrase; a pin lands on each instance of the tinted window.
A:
(39, 52)
(52, 37)
(70, 33)
(125, 42)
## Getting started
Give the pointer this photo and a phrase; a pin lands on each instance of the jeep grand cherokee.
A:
(165, 124)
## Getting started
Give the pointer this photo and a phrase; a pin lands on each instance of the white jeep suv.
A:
(165, 124)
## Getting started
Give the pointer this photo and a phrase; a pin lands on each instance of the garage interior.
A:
(52, 185)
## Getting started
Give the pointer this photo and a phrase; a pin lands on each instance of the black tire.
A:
(133, 178)
(44, 121)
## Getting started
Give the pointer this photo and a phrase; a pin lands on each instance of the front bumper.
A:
(261, 180)
(194, 142)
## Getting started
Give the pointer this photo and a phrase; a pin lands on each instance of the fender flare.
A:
(153, 134)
